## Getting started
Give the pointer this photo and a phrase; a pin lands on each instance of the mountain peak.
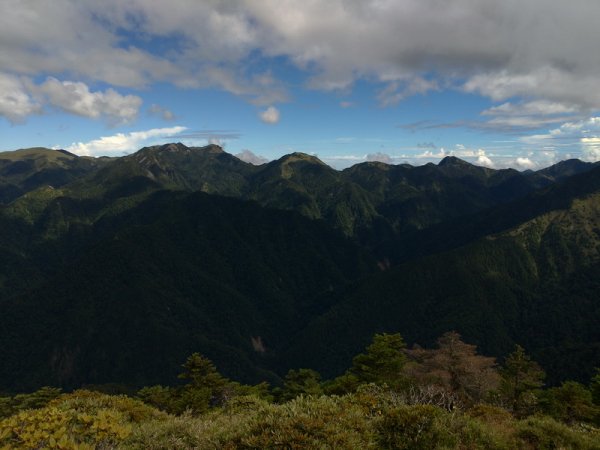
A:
(178, 147)
(453, 161)
(299, 156)
(210, 148)
(174, 148)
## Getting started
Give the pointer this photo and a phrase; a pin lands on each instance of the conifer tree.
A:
(301, 381)
(382, 362)
(520, 378)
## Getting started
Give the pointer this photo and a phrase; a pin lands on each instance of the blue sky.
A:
(500, 84)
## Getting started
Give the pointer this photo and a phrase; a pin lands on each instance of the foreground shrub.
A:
(20, 402)
(409, 427)
(571, 402)
(545, 432)
(79, 420)
(52, 427)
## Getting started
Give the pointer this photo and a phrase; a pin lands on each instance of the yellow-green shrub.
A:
(78, 420)
(52, 427)
(91, 402)
(545, 432)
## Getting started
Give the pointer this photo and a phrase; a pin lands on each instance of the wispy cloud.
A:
(159, 111)
(581, 138)
(123, 143)
(252, 158)
(223, 135)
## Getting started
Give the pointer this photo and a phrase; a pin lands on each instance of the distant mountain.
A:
(370, 200)
(175, 166)
(24, 170)
(115, 269)
(534, 283)
(565, 169)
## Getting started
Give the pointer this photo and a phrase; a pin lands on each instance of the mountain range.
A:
(113, 270)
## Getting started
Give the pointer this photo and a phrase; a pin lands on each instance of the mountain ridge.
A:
(200, 250)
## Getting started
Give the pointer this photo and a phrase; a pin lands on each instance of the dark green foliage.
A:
(213, 412)
(536, 284)
(411, 428)
(34, 400)
(301, 382)
(595, 387)
(545, 433)
(177, 273)
(162, 397)
(570, 402)
(382, 362)
(521, 378)
(205, 387)
(117, 281)
(25, 170)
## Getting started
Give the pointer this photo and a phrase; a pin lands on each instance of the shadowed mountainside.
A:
(115, 269)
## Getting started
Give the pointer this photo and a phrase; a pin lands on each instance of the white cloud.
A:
(539, 49)
(121, 143)
(270, 115)
(15, 102)
(485, 161)
(20, 98)
(554, 85)
(591, 148)
(579, 138)
(537, 107)
(76, 98)
(250, 157)
(524, 163)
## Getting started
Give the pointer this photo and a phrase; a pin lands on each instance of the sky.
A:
(511, 83)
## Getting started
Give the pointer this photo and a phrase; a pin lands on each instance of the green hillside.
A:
(127, 265)
(125, 298)
(535, 284)
(24, 170)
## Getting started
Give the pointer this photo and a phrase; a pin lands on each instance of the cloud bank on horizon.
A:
(530, 65)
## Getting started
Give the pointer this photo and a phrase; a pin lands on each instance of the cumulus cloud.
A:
(477, 156)
(20, 98)
(270, 115)
(122, 143)
(485, 161)
(497, 49)
(250, 157)
(15, 102)
(579, 138)
(76, 98)
(524, 163)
